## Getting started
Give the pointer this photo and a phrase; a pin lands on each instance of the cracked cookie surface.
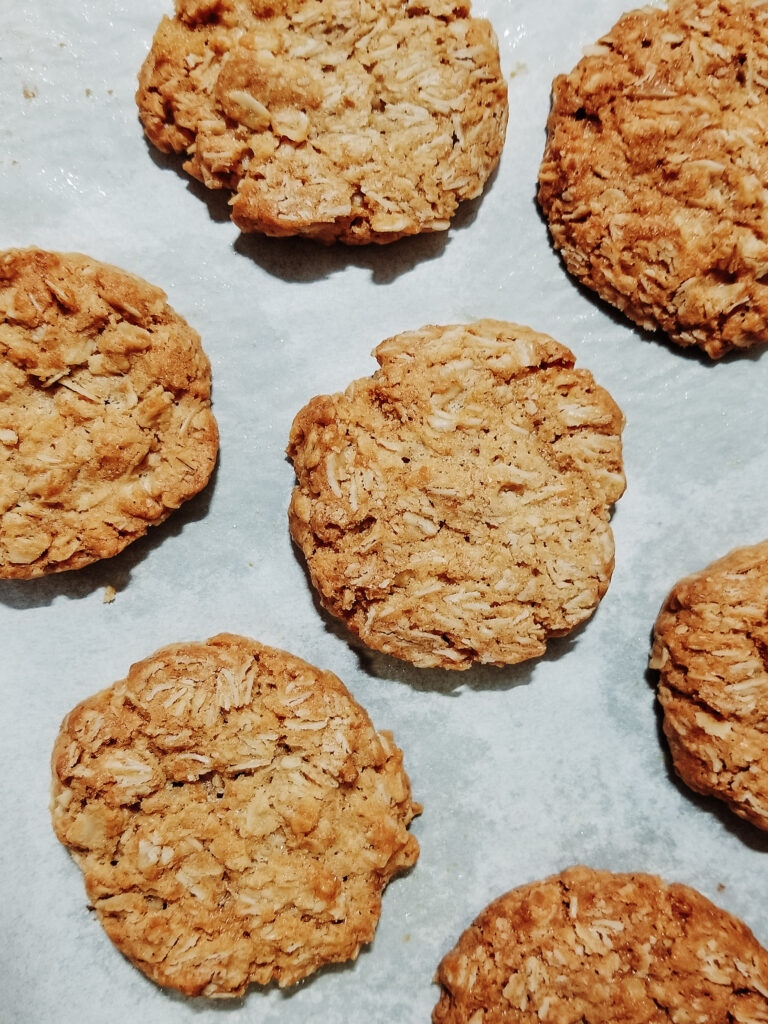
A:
(358, 122)
(105, 418)
(234, 813)
(655, 171)
(600, 948)
(711, 649)
(454, 507)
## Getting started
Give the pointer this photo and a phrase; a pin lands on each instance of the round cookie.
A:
(656, 167)
(234, 813)
(454, 507)
(105, 418)
(595, 947)
(353, 122)
(711, 649)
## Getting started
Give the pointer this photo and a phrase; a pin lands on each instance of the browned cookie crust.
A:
(454, 508)
(591, 947)
(235, 815)
(656, 167)
(105, 418)
(357, 122)
(711, 649)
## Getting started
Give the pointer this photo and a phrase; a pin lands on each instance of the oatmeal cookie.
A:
(105, 418)
(234, 813)
(599, 948)
(655, 171)
(454, 507)
(711, 649)
(357, 122)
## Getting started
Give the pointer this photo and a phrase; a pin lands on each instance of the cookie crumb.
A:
(109, 595)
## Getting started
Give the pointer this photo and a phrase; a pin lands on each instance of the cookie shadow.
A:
(450, 682)
(116, 571)
(216, 200)
(656, 337)
(302, 260)
(745, 831)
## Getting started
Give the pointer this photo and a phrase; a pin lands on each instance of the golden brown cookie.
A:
(234, 813)
(105, 412)
(454, 507)
(711, 649)
(600, 948)
(655, 171)
(357, 122)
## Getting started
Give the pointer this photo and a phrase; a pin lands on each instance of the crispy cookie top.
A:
(656, 167)
(711, 649)
(603, 948)
(235, 815)
(454, 507)
(354, 121)
(105, 419)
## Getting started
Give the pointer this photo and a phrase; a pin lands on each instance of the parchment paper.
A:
(521, 771)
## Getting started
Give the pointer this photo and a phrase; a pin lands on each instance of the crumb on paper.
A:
(109, 594)
(30, 92)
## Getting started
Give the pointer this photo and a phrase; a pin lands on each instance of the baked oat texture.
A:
(454, 507)
(655, 171)
(105, 418)
(711, 649)
(353, 121)
(591, 947)
(234, 813)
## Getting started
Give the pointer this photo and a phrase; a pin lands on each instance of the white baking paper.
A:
(521, 771)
